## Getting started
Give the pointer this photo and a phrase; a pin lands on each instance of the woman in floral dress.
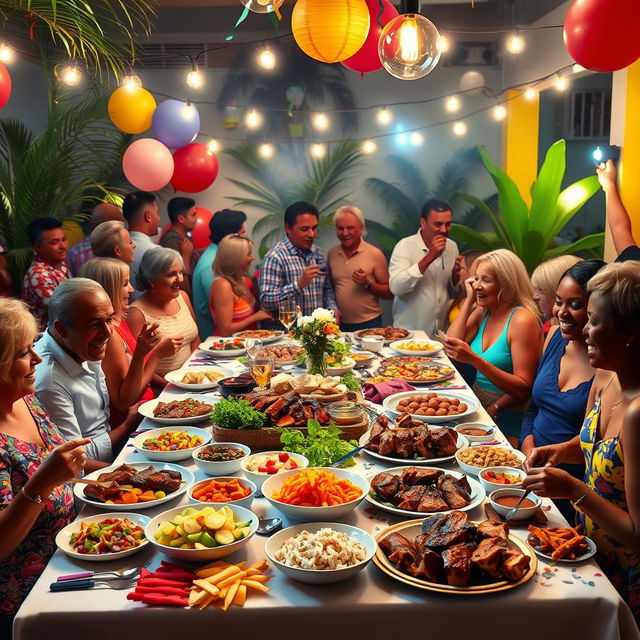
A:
(609, 443)
(35, 464)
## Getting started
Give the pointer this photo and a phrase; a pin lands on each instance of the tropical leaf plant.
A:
(61, 172)
(531, 231)
(403, 198)
(100, 32)
(320, 181)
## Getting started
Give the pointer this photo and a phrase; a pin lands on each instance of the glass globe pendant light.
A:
(409, 45)
(262, 6)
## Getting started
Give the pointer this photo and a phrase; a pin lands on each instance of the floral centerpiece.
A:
(320, 336)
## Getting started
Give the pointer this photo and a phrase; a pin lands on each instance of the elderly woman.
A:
(164, 303)
(608, 498)
(545, 279)
(35, 464)
(129, 364)
(231, 303)
(112, 240)
(501, 337)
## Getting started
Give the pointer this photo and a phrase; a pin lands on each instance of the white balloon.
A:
(472, 82)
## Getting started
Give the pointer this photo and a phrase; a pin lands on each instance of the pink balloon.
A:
(147, 164)
(5, 85)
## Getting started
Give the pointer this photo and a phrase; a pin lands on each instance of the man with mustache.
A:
(424, 271)
(69, 380)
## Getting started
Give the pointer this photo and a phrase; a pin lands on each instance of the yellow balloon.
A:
(330, 30)
(73, 231)
(130, 108)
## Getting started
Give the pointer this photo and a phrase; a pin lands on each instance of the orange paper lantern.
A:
(330, 30)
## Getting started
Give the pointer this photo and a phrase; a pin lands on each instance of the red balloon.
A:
(5, 85)
(200, 233)
(366, 59)
(196, 167)
(602, 35)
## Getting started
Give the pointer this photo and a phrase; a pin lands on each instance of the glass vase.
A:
(316, 363)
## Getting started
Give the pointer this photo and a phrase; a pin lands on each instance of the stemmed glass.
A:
(254, 346)
(261, 370)
(288, 313)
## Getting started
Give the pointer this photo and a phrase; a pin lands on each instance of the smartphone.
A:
(442, 336)
(606, 152)
(323, 269)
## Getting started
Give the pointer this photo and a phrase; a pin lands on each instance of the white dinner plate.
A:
(175, 378)
(477, 494)
(172, 455)
(360, 335)
(64, 536)
(221, 353)
(276, 335)
(187, 480)
(148, 408)
(589, 553)
(397, 346)
(462, 443)
(390, 403)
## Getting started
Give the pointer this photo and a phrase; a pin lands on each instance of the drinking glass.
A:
(288, 312)
(254, 346)
(261, 369)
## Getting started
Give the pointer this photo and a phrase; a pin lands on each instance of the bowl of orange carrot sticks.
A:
(218, 491)
(317, 494)
(561, 544)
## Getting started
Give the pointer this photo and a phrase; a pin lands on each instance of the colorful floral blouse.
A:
(604, 473)
(19, 460)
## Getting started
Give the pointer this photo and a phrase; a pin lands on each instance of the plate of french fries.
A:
(559, 544)
(221, 584)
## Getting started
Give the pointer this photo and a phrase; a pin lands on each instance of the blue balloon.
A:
(175, 123)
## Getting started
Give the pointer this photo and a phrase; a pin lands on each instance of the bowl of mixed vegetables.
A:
(220, 458)
(104, 537)
(224, 347)
(170, 445)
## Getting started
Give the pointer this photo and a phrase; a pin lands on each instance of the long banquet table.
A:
(563, 601)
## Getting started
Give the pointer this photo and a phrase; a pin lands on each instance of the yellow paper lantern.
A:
(330, 30)
(73, 232)
(130, 108)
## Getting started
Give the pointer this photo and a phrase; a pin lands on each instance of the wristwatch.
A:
(37, 498)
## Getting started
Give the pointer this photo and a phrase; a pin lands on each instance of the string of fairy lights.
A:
(71, 75)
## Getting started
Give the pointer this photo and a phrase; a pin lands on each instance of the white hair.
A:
(348, 209)
(62, 304)
(154, 264)
(106, 237)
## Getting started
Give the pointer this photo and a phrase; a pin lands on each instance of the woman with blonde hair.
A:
(230, 301)
(501, 337)
(129, 363)
(35, 465)
(545, 279)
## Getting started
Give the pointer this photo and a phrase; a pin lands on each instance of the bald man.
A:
(81, 251)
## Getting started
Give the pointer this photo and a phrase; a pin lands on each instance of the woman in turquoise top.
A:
(609, 442)
(498, 332)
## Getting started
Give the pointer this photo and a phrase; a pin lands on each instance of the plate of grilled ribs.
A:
(412, 441)
(417, 491)
(449, 553)
(161, 477)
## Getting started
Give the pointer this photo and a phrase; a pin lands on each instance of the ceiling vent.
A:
(170, 55)
(474, 54)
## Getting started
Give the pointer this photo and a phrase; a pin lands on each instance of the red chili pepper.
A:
(167, 591)
(144, 573)
(134, 595)
(174, 574)
(160, 582)
(159, 599)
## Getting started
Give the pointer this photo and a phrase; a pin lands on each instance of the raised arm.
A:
(617, 216)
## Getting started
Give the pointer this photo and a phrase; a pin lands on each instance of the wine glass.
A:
(261, 370)
(254, 346)
(287, 313)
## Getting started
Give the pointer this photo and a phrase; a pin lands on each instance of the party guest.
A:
(359, 273)
(35, 465)
(48, 268)
(82, 251)
(112, 240)
(183, 217)
(221, 224)
(140, 210)
(6, 287)
(608, 499)
(164, 303)
(70, 383)
(466, 269)
(545, 279)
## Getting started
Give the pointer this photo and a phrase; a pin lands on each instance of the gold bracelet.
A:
(37, 499)
(575, 503)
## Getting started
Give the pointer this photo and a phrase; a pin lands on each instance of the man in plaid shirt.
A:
(294, 268)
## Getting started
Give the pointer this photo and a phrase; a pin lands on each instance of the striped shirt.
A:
(281, 269)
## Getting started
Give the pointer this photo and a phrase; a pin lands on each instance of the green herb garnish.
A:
(351, 381)
(234, 413)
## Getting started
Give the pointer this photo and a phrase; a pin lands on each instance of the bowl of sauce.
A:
(494, 478)
(503, 500)
(476, 431)
(236, 384)
(345, 412)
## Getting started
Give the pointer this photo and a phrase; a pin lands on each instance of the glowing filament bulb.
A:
(318, 151)
(384, 116)
(266, 59)
(194, 78)
(499, 112)
(7, 54)
(459, 128)
(266, 150)
(369, 147)
(561, 83)
(320, 122)
(443, 44)
(515, 43)
(70, 75)
(452, 104)
(131, 81)
(409, 40)
(253, 119)
(530, 94)
(213, 146)
(416, 139)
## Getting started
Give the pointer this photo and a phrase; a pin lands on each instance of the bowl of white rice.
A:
(320, 552)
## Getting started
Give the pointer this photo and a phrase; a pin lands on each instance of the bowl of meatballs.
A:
(431, 407)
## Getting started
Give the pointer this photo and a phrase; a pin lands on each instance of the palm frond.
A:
(414, 184)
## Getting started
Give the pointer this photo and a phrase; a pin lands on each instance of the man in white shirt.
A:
(424, 271)
(140, 210)
(69, 382)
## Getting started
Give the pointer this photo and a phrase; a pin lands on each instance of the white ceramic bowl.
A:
(372, 343)
(490, 431)
(390, 403)
(320, 576)
(223, 468)
(200, 555)
(494, 486)
(175, 378)
(363, 362)
(147, 408)
(242, 502)
(523, 513)
(433, 347)
(340, 370)
(315, 514)
(474, 470)
(64, 535)
(176, 454)
(259, 478)
(206, 346)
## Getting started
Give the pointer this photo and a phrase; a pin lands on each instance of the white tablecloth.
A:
(562, 602)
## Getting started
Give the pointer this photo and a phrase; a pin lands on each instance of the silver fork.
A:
(512, 512)
(81, 585)
(125, 574)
